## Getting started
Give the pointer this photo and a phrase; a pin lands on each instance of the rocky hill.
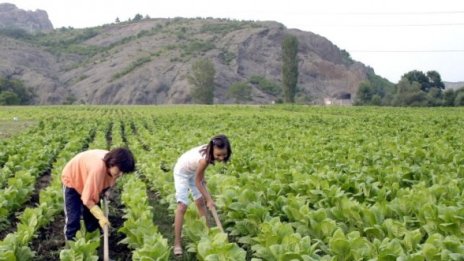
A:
(454, 85)
(30, 21)
(147, 61)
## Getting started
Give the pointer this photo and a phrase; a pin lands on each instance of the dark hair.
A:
(220, 142)
(122, 158)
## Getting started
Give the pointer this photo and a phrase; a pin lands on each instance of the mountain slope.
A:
(454, 85)
(148, 61)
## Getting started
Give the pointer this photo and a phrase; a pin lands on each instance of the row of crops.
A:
(304, 183)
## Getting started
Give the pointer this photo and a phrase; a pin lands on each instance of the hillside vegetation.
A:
(148, 61)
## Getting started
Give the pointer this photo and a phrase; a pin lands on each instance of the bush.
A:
(197, 46)
(13, 92)
(226, 56)
(132, 67)
(449, 96)
(240, 91)
(459, 101)
(265, 85)
(9, 98)
(16, 33)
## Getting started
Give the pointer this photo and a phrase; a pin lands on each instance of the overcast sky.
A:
(393, 37)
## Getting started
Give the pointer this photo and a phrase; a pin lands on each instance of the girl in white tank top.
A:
(189, 174)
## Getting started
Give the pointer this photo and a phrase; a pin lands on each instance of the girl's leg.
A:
(178, 222)
(199, 200)
(182, 188)
(201, 206)
(72, 212)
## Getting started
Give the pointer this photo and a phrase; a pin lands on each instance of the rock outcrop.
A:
(12, 17)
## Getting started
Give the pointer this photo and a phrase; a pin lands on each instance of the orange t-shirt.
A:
(88, 175)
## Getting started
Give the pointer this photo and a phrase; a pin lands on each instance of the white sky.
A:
(393, 37)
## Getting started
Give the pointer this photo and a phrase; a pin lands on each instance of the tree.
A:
(117, 20)
(448, 97)
(374, 91)
(430, 80)
(376, 100)
(459, 101)
(409, 94)
(289, 67)
(265, 85)
(9, 86)
(202, 79)
(137, 18)
(9, 98)
(419, 77)
(364, 93)
(240, 91)
(435, 80)
(435, 97)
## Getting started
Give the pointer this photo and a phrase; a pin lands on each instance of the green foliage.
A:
(202, 81)
(70, 99)
(305, 183)
(278, 241)
(226, 56)
(459, 100)
(141, 234)
(16, 33)
(374, 91)
(139, 62)
(67, 38)
(223, 28)
(209, 244)
(414, 89)
(419, 77)
(9, 98)
(289, 67)
(453, 97)
(84, 247)
(50, 198)
(137, 18)
(409, 94)
(13, 92)
(346, 57)
(196, 47)
(449, 96)
(265, 85)
(435, 80)
(435, 97)
(240, 92)
(12, 249)
(427, 90)
(364, 93)
(427, 81)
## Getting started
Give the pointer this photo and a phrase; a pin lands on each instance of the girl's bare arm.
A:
(199, 182)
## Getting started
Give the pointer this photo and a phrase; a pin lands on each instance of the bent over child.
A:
(84, 179)
(189, 175)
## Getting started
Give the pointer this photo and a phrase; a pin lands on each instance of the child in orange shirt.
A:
(84, 178)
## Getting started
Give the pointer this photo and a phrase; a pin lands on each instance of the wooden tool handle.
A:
(106, 249)
(216, 218)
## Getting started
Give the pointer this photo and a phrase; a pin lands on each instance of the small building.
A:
(340, 98)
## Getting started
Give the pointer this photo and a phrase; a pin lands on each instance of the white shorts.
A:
(183, 183)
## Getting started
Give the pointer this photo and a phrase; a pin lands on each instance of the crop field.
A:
(303, 183)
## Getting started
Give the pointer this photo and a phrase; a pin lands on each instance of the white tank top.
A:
(188, 163)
